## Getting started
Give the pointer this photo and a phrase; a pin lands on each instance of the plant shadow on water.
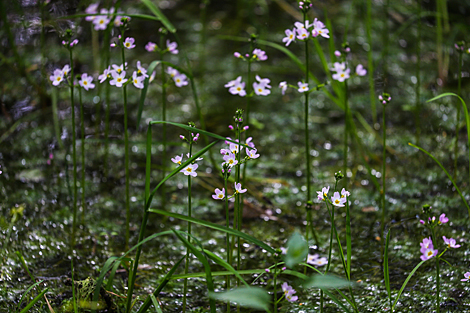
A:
(36, 161)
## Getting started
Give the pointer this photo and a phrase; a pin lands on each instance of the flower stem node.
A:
(309, 205)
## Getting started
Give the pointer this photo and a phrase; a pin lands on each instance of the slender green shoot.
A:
(74, 151)
(82, 142)
(406, 282)
(457, 122)
(386, 268)
(370, 61)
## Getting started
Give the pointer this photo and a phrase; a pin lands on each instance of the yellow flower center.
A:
(85, 82)
(189, 169)
(59, 79)
(430, 253)
(337, 201)
(230, 161)
(119, 80)
(220, 196)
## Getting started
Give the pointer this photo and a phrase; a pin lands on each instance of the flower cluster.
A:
(427, 246)
(256, 55)
(303, 31)
(385, 98)
(289, 292)
(180, 79)
(171, 47)
(59, 75)
(117, 75)
(261, 87)
(337, 199)
(190, 169)
(105, 16)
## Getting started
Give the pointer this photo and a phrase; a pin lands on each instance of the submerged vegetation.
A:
(196, 156)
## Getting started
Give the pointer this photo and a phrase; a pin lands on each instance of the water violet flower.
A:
(230, 159)
(260, 55)
(118, 79)
(150, 46)
(57, 77)
(342, 73)
(287, 289)
(141, 70)
(345, 193)
(190, 170)
(450, 242)
(467, 276)
(290, 36)
(172, 72)
(219, 194)
(323, 194)
(360, 70)
(86, 82)
(337, 200)
(106, 74)
(129, 43)
(91, 9)
(138, 81)
(118, 69)
(252, 153)
(427, 249)
(236, 87)
(180, 80)
(172, 47)
(238, 188)
(443, 219)
(302, 87)
(283, 86)
(302, 34)
(261, 87)
(101, 22)
(177, 159)
(320, 29)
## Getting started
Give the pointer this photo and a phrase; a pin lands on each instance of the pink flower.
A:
(236, 87)
(141, 70)
(290, 36)
(106, 74)
(252, 153)
(177, 159)
(219, 194)
(118, 79)
(91, 9)
(150, 46)
(260, 55)
(302, 87)
(101, 22)
(345, 193)
(129, 43)
(450, 242)
(360, 70)
(238, 188)
(427, 249)
(323, 194)
(302, 34)
(443, 219)
(342, 73)
(230, 159)
(319, 29)
(86, 82)
(172, 47)
(180, 80)
(283, 86)
(237, 54)
(261, 87)
(337, 53)
(138, 81)
(57, 77)
(467, 276)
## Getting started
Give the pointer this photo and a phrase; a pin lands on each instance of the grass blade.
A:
(406, 282)
(162, 18)
(30, 305)
(447, 173)
(25, 293)
(223, 263)
(248, 297)
(207, 268)
(335, 300)
(386, 268)
(156, 304)
(216, 227)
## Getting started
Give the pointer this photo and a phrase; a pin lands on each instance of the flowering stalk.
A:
(164, 163)
(460, 48)
(239, 206)
(82, 130)
(126, 136)
(384, 99)
(227, 224)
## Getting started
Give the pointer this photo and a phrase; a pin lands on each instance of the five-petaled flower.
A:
(303, 87)
(57, 77)
(151, 46)
(337, 200)
(172, 47)
(230, 159)
(177, 159)
(323, 194)
(180, 80)
(118, 79)
(450, 242)
(261, 87)
(342, 72)
(236, 87)
(190, 170)
(259, 55)
(252, 153)
(290, 36)
(219, 194)
(138, 81)
(467, 276)
(319, 29)
(443, 219)
(427, 249)
(129, 43)
(345, 193)
(86, 82)
(238, 188)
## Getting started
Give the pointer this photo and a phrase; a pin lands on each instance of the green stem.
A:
(385, 34)
(457, 128)
(227, 224)
(74, 152)
(434, 241)
(370, 61)
(346, 132)
(239, 205)
(275, 288)
(82, 130)
(384, 155)
(418, 77)
(126, 149)
(186, 266)
(164, 161)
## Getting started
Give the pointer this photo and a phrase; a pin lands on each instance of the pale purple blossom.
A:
(260, 55)
(141, 70)
(237, 54)
(302, 34)
(86, 82)
(261, 87)
(290, 36)
(118, 79)
(91, 9)
(190, 170)
(230, 159)
(323, 194)
(342, 73)
(450, 242)
(172, 47)
(138, 81)
(180, 80)
(319, 29)
(236, 87)
(66, 69)
(238, 188)
(337, 200)
(219, 194)
(345, 193)
(360, 70)
(129, 43)
(283, 86)
(101, 22)
(303, 87)
(443, 219)
(106, 74)
(151, 46)
(177, 159)
(57, 77)
(252, 153)
(467, 276)
(427, 249)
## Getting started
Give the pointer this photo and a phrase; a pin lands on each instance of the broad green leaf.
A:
(297, 250)
(326, 282)
(161, 17)
(247, 297)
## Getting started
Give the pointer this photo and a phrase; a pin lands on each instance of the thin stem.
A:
(346, 132)
(186, 266)
(433, 237)
(457, 128)
(275, 288)
(164, 160)
(126, 149)
(229, 253)
(82, 129)
(418, 77)
(74, 152)
(239, 205)
(370, 61)
(384, 159)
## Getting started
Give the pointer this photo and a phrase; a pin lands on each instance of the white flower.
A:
(290, 36)
(219, 194)
(302, 87)
(238, 188)
(118, 79)
(230, 159)
(172, 72)
(302, 34)
(177, 159)
(129, 43)
(119, 68)
(320, 29)
(323, 194)
(261, 87)
(236, 87)
(190, 170)
(66, 70)
(342, 73)
(141, 70)
(101, 22)
(57, 77)
(345, 193)
(106, 74)
(86, 82)
(337, 200)
(252, 153)
(283, 86)
(138, 81)
(180, 80)
(91, 9)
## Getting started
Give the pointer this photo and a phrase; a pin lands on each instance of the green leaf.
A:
(406, 282)
(326, 282)
(217, 227)
(25, 293)
(207, 268)
(248, 297)
(335, 300)
(38, 297)
(297, 250)
(162, 18)
(386, 268)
